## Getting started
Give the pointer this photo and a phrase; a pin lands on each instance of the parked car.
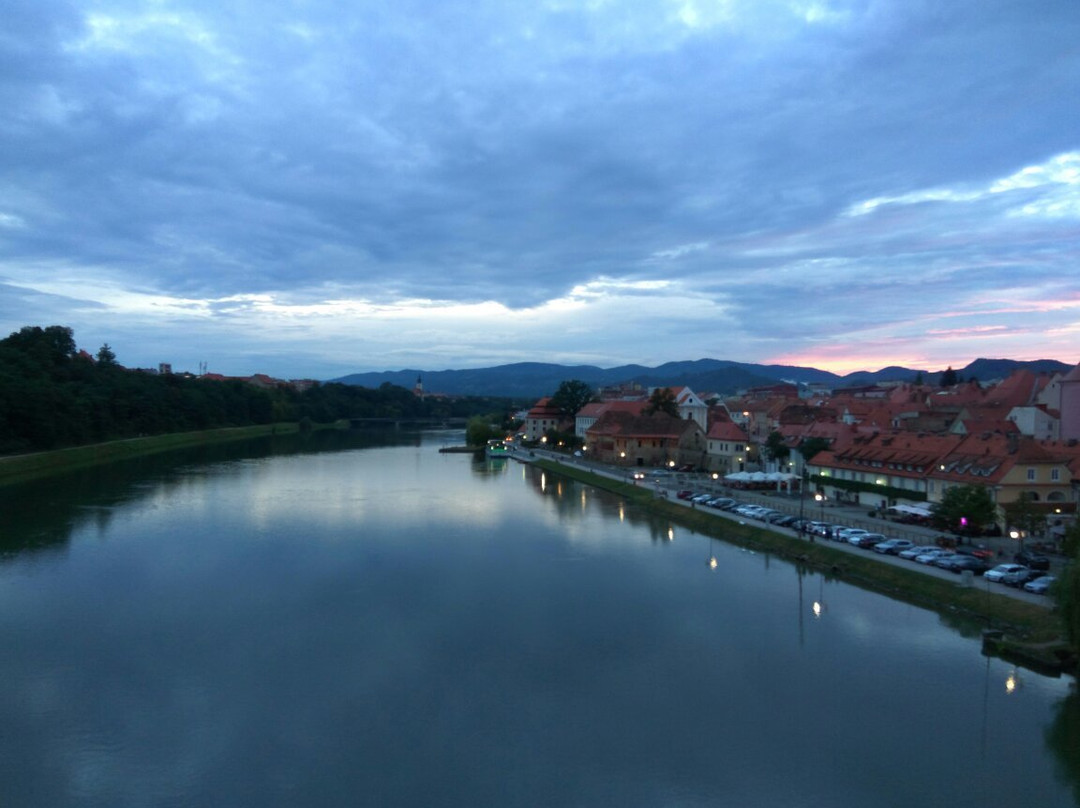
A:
(685, 494)
(916, 550)
(785, 521)
(720, 502)
(1040, 585)
(849, 533)
(932, 555)
(1032, 560)
(999, 572)
(1020, 577)
(893, 546)
(867, 541)
(958, 562)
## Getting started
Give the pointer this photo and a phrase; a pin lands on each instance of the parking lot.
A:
(995, 550)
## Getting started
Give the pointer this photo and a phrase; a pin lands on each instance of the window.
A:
(1031, 475)
(1055, 475)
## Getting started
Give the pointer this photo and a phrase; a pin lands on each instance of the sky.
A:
(311, 188)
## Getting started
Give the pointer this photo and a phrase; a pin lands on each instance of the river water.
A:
(360, 620)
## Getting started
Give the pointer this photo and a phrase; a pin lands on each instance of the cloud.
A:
(456, 182)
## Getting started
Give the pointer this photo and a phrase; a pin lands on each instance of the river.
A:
(357, 619)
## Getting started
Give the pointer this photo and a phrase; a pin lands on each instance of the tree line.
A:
(53, 396)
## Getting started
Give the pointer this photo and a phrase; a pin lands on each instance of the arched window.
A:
(1031, 496)
(1055, 496)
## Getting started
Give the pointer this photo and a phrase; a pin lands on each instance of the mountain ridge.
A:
(535, 379)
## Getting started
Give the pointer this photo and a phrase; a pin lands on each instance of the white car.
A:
(917, 550)
(892, 546)
(1001, 570)
(930, 556)
(1040, 585)
(850, 534)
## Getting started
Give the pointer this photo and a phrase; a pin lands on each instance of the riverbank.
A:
(1031, 633)
(23, 468)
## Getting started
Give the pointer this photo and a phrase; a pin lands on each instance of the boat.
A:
(497, 448)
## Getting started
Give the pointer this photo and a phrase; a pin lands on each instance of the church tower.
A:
(418, 389)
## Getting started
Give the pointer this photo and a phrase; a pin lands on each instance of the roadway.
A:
(834, 513)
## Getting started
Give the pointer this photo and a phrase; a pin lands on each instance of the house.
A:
(591, 412)
(880, 469)
(542, 417)
(726, 447)
(659, 439)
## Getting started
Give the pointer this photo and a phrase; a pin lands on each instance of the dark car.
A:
(1032, 560)
(961, 562)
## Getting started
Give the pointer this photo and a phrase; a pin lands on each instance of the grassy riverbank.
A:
(21, 468)
(1027, 625)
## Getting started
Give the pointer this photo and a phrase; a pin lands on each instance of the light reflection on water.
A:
(392, 626)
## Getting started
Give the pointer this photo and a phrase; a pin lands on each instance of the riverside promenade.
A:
(669, 484)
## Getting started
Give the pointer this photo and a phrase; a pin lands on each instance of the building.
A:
(646, 440)
(543, 416)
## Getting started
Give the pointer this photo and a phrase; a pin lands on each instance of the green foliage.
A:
(562, 440)
(662, 400)
(1063, 739)
(949, 378)
(811, 446)
(52, 398)
(1066, 590)
(1025, 516)
(106, 357)
(776, 447)
(480, 429)
(571, 396)
(961, 505)
(1070, 541)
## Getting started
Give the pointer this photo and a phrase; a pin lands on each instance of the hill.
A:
(535, 379)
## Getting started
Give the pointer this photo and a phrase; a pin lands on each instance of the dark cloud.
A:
(326, 159)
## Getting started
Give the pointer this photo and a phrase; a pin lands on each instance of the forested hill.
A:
(53, 396)
(535, 379)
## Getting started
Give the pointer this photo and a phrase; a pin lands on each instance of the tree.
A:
(811, 446)
(479, 430)
(964, 508)
(949, 377)
(662, 400)
(105, 357)
(1025, 516)
(1066, 589)
(777, 447)
(571, 396)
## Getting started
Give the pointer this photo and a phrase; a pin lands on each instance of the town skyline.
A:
(326, 189)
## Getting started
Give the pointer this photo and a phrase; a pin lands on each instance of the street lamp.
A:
(1019, 536)
(821, 501)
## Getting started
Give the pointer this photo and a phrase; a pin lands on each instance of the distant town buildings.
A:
(880, 446)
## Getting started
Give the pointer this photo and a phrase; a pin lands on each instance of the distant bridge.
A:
(416, 423)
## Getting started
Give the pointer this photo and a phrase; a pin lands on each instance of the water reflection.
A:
(421, 658)
(39, 517)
